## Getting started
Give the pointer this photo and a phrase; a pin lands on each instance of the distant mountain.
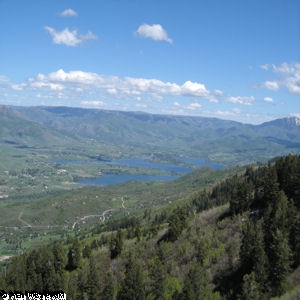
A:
(18, 130)
(137, 132)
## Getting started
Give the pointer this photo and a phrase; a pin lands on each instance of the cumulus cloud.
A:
(69, 38)
(79, 81)
(241, 100)
(289, 77)
(154, 32)
(268, 99)
(194, 106)
(68, 13)
(271, 85)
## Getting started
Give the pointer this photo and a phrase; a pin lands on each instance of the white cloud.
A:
(218, 93)
(265, 67)
(241, 100)
(194, 89)
(271, 85)
(268, 99)
(194, 106)
(226, 113)
(155, 32)
(176, 104)
(92, 103)
(290, 77)
(68, 13)
(122, 88)
(293, 84)
(69, 38)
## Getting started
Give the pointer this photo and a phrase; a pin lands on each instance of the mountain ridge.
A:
(140, 133)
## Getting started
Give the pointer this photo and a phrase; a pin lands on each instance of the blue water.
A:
(110, 179)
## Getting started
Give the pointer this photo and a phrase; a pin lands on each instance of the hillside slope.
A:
(199, 248)
(227, 142)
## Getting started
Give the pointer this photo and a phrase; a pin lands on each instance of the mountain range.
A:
(139, 133)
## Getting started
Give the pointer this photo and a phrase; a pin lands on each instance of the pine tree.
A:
(250, 288)
(158, 275)
(240, 197)
(177, 223)
(59, 265)
(93, 279)
(108, 292)
(280, 262)
(74, 256)
(133, 287)
(196, 284)
(15, 274)
(116, 244)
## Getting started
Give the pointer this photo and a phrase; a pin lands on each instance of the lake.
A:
(175, 170)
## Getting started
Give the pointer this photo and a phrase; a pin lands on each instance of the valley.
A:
(70, 173)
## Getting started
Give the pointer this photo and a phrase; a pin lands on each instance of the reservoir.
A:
(165, 171)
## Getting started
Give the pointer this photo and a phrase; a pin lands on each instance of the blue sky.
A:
(229, 59)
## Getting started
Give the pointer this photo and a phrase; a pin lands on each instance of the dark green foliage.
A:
(133, 286)
(196, 284)
(108, 289)
(16, 274)
(74, 256)
(93, 280)
(288, 170)
(250, 288)
(116, 244)
(41, 271)
(158, 275)
(59, 264)
(86, 251)
(280, 262)
(187, 259)
(252, 254)
(241, 197)
(177, 223)
(295, 243)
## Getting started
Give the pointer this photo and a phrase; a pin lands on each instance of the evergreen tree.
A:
(59, 265)
(250, 288)
(240, 197)
(177, 222)
(74, 256)
(295, 242)
(31, 274)
(252, 253)
(270, 185)
(15, 274)
(108, 292)
(158, 275)
(280, 262)
(86, 252)
(116, 244)
(133, 287)
(196, 284)
(93, 279)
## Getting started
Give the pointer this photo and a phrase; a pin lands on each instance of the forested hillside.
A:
(139, 133)
(239, 239)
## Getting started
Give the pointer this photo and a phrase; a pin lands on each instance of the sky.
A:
(229, 59)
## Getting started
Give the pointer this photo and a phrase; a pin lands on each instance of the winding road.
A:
(101, 217)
